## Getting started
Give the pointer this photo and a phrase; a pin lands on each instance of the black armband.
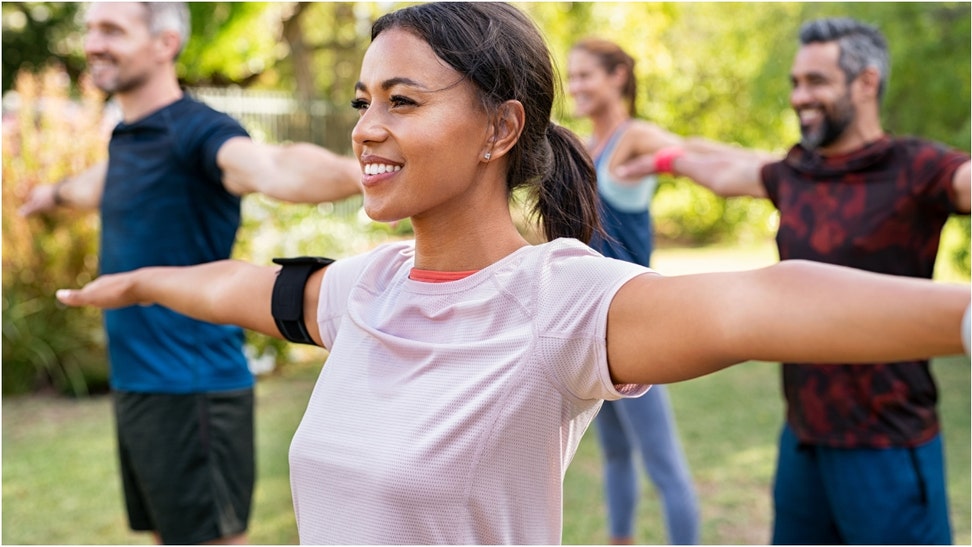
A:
(287, 300)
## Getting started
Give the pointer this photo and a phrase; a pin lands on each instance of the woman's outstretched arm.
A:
(668, 329)
(225, 292)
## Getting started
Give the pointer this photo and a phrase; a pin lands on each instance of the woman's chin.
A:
(378, 214)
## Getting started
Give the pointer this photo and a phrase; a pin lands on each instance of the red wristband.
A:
(665, 158)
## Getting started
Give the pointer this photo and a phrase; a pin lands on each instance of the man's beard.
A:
(124, 85)
(120, 83)
(831, 127)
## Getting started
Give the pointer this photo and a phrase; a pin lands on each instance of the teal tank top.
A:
(629, 196)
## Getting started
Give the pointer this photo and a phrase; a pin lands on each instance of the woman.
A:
(464, 367)
(602, 84)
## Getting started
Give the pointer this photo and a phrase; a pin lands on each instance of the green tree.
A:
(36, 34)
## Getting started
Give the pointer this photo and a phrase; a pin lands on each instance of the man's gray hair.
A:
(861, 46)
(162, 16)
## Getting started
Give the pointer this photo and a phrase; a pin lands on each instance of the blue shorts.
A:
(829, 496)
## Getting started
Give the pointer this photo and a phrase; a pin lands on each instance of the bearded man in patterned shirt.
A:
(860, 455)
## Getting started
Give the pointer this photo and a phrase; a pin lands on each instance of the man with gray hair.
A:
(860, 454)
(169, 194)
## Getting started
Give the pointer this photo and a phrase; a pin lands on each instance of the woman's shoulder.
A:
(567, 258)
(562, 247)
(381, 262)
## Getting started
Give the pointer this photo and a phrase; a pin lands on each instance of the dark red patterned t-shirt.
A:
(879, 209)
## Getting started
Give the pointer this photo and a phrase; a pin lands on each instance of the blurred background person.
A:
(169, 194)
(602, 84)
(861, 457)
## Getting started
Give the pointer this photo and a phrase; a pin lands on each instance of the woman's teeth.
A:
(379, 168)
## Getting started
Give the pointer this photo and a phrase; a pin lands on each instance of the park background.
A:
(287, 71)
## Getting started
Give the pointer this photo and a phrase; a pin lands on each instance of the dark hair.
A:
(611, 57)
(501, 52)
(861, 46)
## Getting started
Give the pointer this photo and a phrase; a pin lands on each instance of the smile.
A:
(808, 116)
(380, 168)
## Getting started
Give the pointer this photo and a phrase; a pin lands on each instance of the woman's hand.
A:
(107, 292)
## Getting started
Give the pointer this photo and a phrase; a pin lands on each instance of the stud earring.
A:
(487, 155)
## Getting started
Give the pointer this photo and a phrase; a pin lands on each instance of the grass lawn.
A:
(60, 483)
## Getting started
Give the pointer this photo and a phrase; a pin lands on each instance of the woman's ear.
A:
(506, 127)
(619, 76)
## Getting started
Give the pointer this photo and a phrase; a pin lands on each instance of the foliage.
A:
(223, 48)
(49, 138)
(35, 34)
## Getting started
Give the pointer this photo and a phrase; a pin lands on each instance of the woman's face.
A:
(422, 132)
(589, 84)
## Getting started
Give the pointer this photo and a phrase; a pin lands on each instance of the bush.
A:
(689, 214)
(48, 135)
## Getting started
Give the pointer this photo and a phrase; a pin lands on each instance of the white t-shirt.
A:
(448, 412)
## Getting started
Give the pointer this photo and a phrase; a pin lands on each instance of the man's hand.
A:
(40, 200)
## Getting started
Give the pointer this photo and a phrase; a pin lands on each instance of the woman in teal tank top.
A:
(602, 84)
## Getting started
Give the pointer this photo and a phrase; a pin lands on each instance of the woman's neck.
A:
(470, 240)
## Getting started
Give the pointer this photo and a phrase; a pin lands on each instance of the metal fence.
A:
(276, 116)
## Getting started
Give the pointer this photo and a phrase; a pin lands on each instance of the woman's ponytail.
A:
(567, 191)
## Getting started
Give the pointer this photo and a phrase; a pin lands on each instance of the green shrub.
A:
(48, 136)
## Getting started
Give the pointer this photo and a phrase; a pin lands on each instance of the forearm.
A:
(794, 311)
(706, 146)
(724, 169)
(223, 292)
(318, 174)
(84, 190)
(811, 312)
(297, 173)
(728, 174)
(81, 191)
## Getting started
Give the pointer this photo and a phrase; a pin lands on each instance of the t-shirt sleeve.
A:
(215, 134)
(769, 176)
(575, 293)
(340, 279)
(934, 167)
(201, 132)
(335, 288)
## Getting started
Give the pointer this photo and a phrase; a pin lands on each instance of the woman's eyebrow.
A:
(390, 83)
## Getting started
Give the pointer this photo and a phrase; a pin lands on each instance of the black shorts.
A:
(187, 463)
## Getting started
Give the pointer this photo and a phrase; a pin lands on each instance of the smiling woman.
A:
(452, 404)
(410, 104)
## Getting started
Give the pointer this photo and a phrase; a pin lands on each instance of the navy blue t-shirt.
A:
(164, 204)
